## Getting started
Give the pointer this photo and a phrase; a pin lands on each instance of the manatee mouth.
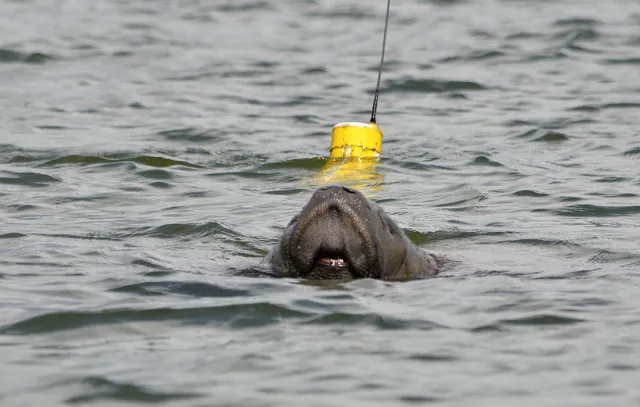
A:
(332, 241)
(332, 260)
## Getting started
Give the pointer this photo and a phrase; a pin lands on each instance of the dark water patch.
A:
(29, 179)
(158, 273)
(586, 210)
(191, 289)
(151, 161)
(542, 320)
(612, 179)
(197, 194)
(51, 127)
(12, 235)
(191, 134)
(476, 55)
(542, 135)
(13, 56)
(185, 230)
(101, 389)
(518, 123)
(23, 159)
(530, 193)
(632, 152)
(307, 118)
(371, 319)
(462, 203)
(161, 185)
(483, 160)
(89, 236)
(232, 6)
(615, 195)
(622, 61)
(420, 238)
(155, 174)
(566, 198)
(285, 192)
(443, 2)
(523, 35)
(235, 316)
(607, 256)
(576, 22)
(344, 12)
(541, 242)
(605, 106)
(148, 264)
(302, 100)
(551, 137)
(577, 34)
(428, 86)
(315, 70)
(22, 207)
(432, 357)
(59, 200)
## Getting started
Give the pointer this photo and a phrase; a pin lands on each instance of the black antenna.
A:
(384, 42)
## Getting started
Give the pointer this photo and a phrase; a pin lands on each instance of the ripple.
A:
(12, 235)
(586, 210)
(192, 289)
(542, 135)
(429, 86)
(9, 56)
(177, 230)
(345, 12)
(190, 134)
(632, 152)
(605, 106)
(233, 6)
(30, 179)
(420, 238)
(151, 161)
(482, 160)
(22, 207)
(542, 319)
(622, 61)
(607, 256)
(530, 193)
(576, 21)
(155, 174)
(235, 316)
(100, 388)
(371, 319)
(161, 185)
(541, 242)
(476, 55)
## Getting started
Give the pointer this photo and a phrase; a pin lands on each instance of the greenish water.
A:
(150, 149)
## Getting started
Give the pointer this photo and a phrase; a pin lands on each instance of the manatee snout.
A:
(340, 234)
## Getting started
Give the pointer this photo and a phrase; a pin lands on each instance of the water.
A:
(149, 149)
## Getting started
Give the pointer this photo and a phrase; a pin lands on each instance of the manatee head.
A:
(340, 234)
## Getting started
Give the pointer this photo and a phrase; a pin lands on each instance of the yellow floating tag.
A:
(355, 139)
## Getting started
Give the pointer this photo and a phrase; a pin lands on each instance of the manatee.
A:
(341, 235)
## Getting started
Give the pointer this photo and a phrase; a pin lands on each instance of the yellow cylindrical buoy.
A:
(355, 152)
(355, 139)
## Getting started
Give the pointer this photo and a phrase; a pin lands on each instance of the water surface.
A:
(148, 148)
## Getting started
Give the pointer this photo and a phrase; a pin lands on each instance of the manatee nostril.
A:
(349, 190)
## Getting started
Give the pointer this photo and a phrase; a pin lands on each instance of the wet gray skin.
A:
(340, 234)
